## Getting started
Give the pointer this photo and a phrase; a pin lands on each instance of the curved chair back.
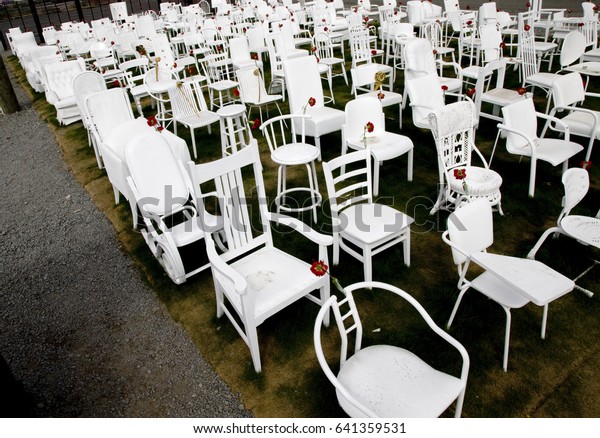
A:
(573, 48)
(359, 112)
(471, 229)
(522, 117)
(568, 89)
(577, 182)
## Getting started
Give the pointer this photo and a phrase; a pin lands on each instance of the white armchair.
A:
(60, 93)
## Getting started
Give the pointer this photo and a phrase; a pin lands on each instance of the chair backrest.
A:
(434, 33)
(59, 76)
(84, 84)
(363, 77)
(359, 112)
(251, 85)
(163, 50)
(568, 89)
(160, 185)
(108, 109)
(303, 82)
(522, 117)
(419, 59)
(351, 187)
(278, 133)
(225, 176)
(453, 130)
(471, 229)
(588, 9)
(144, 26)
(491, 39)
(425, 94)
(487, 14)
(134, 70)
(485, 81)
(527, 53)
(187, 99)
(573, 48)
(577, 183)
(256, 37)
(238, 49)
(360, 49)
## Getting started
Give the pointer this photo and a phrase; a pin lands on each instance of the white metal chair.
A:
(220, 85)
(568, 92)
(253, 279)
(520, 125)
(510, 281)
(387, 380)
(287, 143)
(425, 95)
(584, 229)
(453, 128)
(304, 83)
(382, 144)
(160, 195)
(362, 227)
(190, 109)
(134, 71)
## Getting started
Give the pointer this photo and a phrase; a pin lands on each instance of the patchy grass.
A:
(549, 378)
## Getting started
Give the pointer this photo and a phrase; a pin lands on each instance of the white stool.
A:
(235, 132)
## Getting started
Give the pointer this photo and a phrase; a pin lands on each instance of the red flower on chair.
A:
(312, 101)
(369, 127)
(319, 268)
(236, 92)
(585, 165)
(528, 5)
(460, 174)
(151, 121)
(254, 56)
(255, 124)
(373, 52)
(522, 91)
(596, 7)
(471, 92)
(527, 28)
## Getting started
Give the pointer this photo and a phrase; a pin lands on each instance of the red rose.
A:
(312, 101)
(471, 92)
(444, 87)
(255, 124)
(151, 120)
(585, 164)
(521, 91)
(527, 28)
(373, 52)
(369, 127)
(319, 268)
(460, 174)
(236, 92)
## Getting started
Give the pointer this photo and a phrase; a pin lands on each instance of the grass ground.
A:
(554, 377)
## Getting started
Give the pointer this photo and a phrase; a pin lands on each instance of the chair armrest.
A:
(594, 114)
(51, 97)
(529, 140)
(302, 228)
(239, 283)
(556, 120)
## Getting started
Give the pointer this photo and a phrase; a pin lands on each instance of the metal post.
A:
(79, 10)
(36, 19)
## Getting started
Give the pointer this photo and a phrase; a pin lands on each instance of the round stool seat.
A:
(231, 110)
(295, 153)
(479, 181)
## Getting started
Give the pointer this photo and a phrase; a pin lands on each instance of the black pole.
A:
(36, 19)
(79, 10)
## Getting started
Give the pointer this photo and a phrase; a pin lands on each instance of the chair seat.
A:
(541, 79)
(479, 180)
(247, 63)
(543, 47)
(370, 223)
(389, 97)
(453, 84)
(324, 120)
(472, 72)
(583, 228)
(580, 123)
(395, 383)
(497, 290)
(331, 61)
(223, 85)
(553, 150)
(190, 231)
(501, 96)
(386, 146)
(139, 90)
(65, 103)
(295, 153)
(199, 120)
(268, 272)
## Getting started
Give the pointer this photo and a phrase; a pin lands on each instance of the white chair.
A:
(584, 229)
(568, 92)
(520, 125)
(361, 50)
(288, 148)
(134, 71)
(382, 144)
(103, 57)
(84, 84)
(362, 227)
(368, 81)
(304, 83)
(240, 54)
(453, 129)
(324, 53)
(252, 278)
(31, 63)
(220, 85)
(425, 95)
(160, 194)
(510, 281)
(60, 94)
(253, 92)
(379, 381)
(190, 109)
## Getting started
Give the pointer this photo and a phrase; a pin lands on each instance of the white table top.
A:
(532, 278)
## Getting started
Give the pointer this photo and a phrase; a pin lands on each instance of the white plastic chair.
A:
(386, 380)
(190, 109)
(520, 125)
(425, 95)
(303, 83)
(585, 229)
(362, 227)
(240, 54)
(453, 129)
(470, 233)
(160, 194)
(84, 84)
(382, 144)
(568, 91)
(253, 279)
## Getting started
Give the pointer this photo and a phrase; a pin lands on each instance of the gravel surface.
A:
(78, 328)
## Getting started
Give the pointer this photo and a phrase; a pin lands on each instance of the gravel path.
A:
(78, 327)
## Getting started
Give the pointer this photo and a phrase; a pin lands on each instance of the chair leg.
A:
(532, 171)
(368, 263)
(506, 338)
(409, 171)
(455, 309)
(194, 143)
(544, 321)
(253, 345)
(406, 249)
(336, 248)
